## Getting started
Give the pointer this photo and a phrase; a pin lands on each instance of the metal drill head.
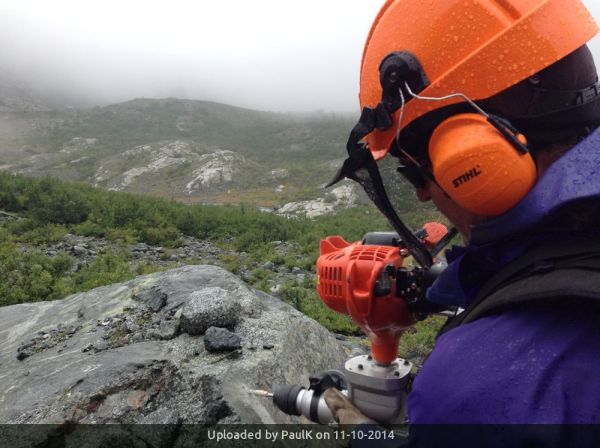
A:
(261, 393)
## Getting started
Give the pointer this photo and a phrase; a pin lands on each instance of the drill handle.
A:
(322, 381)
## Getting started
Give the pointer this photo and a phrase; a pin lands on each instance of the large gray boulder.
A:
(120, 354)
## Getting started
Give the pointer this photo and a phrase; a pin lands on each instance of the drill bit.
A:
(261, 393)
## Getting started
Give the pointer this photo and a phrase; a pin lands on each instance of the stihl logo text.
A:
(468, 176)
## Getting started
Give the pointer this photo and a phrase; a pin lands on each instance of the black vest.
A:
(561, 274)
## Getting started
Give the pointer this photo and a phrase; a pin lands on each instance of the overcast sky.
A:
(276, 55)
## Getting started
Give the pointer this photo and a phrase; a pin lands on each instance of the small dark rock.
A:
(220, 339)
(140, 247)
(269, 266)
(268, 346)
(100, 345)
(153, 297)
(167, 331)
(78, 251)
(31, 343)
(22, 355)
(138, 337)
(87, 348)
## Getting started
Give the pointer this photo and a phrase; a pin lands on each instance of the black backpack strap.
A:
(543, 274)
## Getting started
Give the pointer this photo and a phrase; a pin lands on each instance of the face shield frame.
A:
(396, 71)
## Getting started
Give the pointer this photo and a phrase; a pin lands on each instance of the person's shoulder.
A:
(480, 372)
(524, 325)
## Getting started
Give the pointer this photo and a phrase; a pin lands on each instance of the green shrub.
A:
(306, 301)
(90, 228)
(31, 276)
(261, 274)
(47, 234)
(51, 201)
(165, 236)
(106, 269)
(5, 235)
(232, 263)
(418, 341)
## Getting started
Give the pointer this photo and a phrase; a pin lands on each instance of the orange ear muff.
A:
(478, 167)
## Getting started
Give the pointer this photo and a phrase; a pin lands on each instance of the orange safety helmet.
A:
(476, 47)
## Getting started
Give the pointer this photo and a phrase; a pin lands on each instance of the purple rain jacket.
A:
(521, 366)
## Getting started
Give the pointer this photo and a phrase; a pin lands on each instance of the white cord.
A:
(447, 97)
(411, 158)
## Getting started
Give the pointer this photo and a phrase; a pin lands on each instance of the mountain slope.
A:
(194, 151)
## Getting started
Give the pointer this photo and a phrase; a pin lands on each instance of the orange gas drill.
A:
(368, 281)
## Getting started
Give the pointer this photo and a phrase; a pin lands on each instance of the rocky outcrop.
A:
(180, 167)
(344, 196)
(123, 353)
(78, 144)
(217, 168)
(148, 161)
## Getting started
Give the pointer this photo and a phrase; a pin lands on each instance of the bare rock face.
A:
(121, 354)
(149, 161)
(216, 168)
(344, 196)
